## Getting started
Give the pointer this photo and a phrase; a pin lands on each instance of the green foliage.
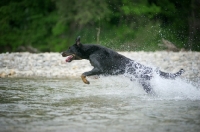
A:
(139, 8)
(53, 25)
(25, 23)
(82, 12)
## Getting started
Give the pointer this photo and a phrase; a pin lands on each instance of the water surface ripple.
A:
(107, 104)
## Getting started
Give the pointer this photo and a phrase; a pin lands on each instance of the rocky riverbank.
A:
(54, 65)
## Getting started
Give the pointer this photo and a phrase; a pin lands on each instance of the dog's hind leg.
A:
(146, 86)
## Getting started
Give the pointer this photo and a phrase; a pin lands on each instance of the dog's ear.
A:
(78, 41)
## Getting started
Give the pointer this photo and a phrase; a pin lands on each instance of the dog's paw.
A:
(87, 82)
(84, 79)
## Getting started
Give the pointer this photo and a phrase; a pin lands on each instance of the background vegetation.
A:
(53, 25)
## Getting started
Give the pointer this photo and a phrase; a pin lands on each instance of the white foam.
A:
(165, 89)
(178, 89)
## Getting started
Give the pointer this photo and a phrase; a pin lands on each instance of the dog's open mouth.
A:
(69, 58)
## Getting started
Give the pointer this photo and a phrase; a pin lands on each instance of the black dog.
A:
(108, 62)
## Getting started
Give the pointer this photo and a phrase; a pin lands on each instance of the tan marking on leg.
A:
(84, 79)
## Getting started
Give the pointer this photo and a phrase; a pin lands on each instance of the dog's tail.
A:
(170, 75)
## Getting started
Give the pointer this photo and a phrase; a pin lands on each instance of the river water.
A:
(112, 104)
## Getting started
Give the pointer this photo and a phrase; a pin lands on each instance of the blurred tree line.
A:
(53, 25)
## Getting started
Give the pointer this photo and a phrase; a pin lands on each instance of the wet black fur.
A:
(108, 62)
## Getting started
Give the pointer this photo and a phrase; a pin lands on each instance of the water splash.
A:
(165, 89)
(178, 89)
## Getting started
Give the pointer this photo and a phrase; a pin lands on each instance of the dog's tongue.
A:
(69, 58)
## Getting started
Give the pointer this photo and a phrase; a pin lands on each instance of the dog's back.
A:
(109, 61)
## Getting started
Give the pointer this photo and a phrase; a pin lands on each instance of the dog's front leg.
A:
(94, 71)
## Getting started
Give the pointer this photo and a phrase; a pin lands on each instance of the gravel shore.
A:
(53, 64)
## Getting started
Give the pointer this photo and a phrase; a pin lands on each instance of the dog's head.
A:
(74, 52)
